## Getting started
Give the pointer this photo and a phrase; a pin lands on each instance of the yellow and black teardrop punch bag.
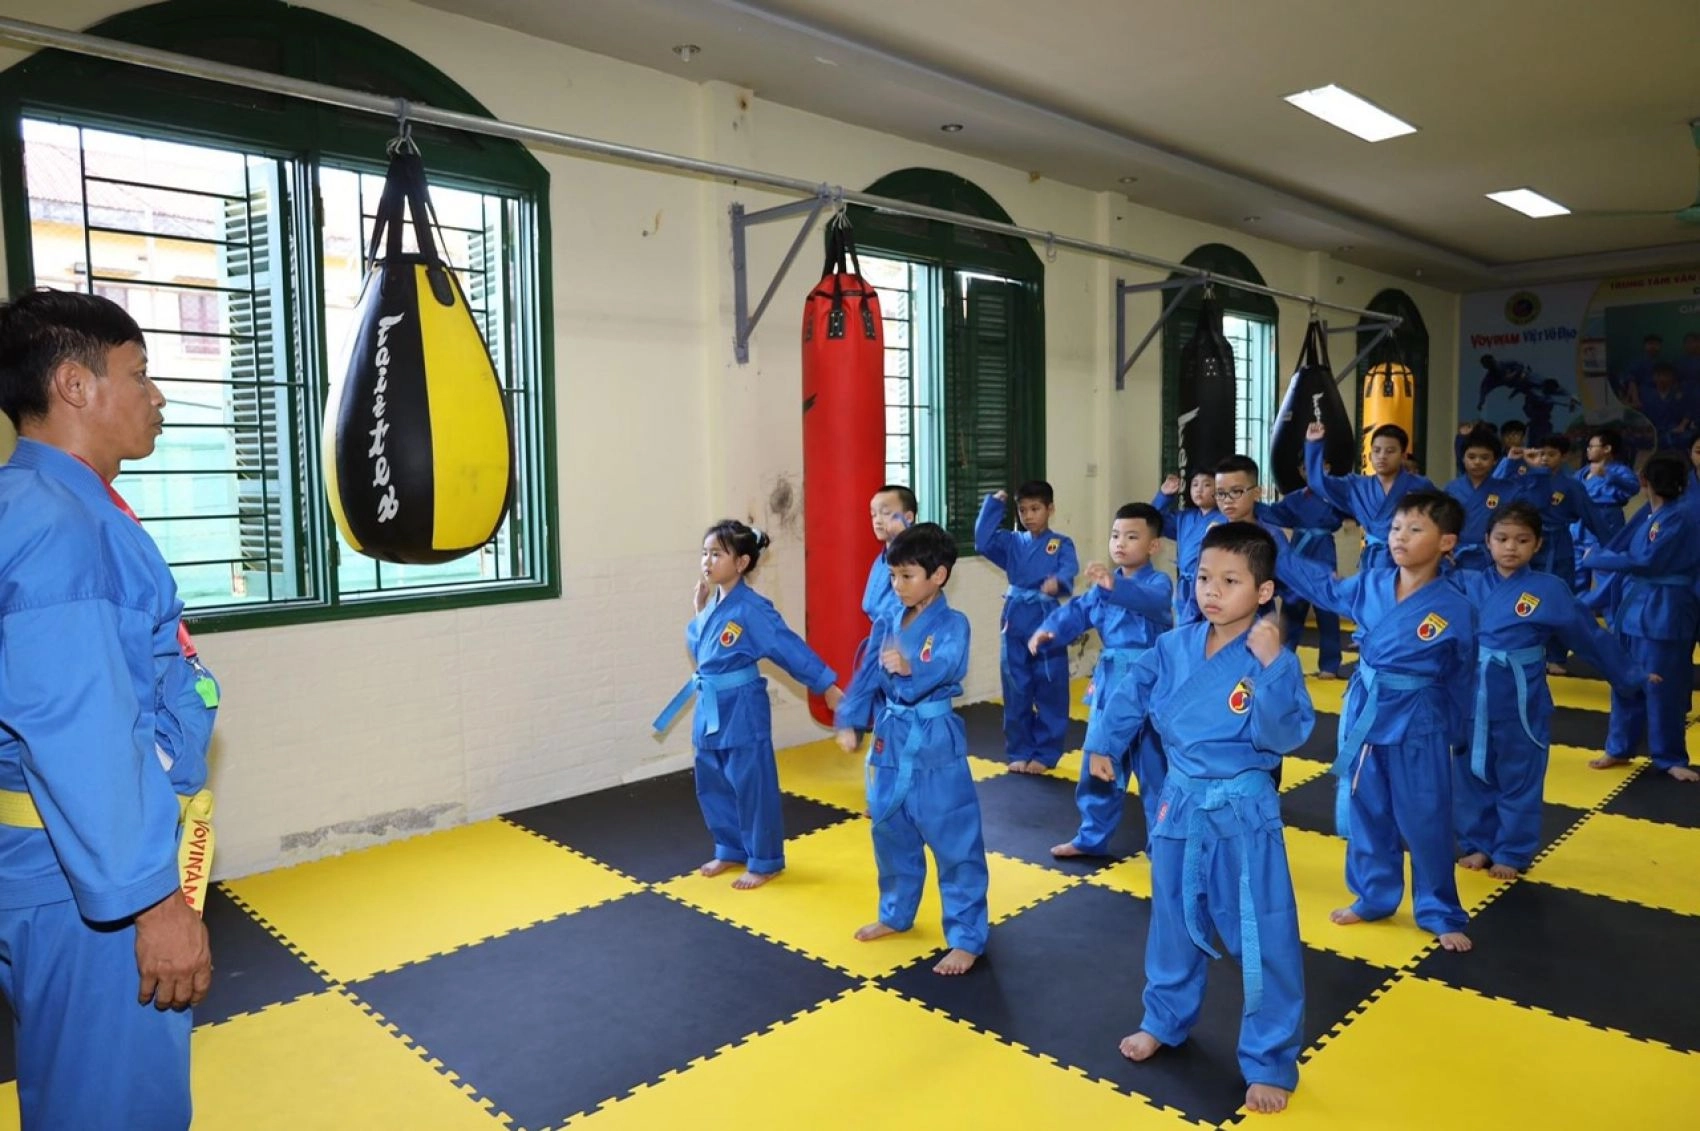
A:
(417, 455)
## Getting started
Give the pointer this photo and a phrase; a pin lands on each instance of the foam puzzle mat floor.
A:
(565, 966)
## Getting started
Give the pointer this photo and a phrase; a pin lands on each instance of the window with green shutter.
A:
(965, 361)
(1407, 346)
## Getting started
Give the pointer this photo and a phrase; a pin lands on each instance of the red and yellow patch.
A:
(1653, 532)
(1162, 811)
(1492, 502)
(1557, 498)
(1053, 545)
(1239, 699)
(729, 635)
(1433, 625)
(927, 650)
(1527, 604)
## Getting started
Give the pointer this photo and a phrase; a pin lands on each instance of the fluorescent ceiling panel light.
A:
(1528, 202)
(1341, 108)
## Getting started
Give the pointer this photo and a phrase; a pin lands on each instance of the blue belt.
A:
(922, 711)
(1516, 660)
(1111, 662)
(706, 687)
(1028, 596)
(1309, 536)
(1210, 795)
(1352, 741)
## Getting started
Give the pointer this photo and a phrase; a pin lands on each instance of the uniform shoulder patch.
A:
(730, 634)
(1492, 502)
(927, 650)
(1527, 604)
(1239, 699)
(1433, 625)
(1653, 532)
(1053, 545)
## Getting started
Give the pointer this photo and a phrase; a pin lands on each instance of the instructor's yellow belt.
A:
(194, 847)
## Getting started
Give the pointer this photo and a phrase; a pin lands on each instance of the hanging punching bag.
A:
(843, 453)
(1311, 395)
(1206, 421)
(1390, 397)
(416, 451)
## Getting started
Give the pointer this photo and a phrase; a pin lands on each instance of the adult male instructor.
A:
(101, 742)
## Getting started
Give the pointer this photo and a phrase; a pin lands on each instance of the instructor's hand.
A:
(172, 954)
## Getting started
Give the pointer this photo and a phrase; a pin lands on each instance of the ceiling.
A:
(1588, 103)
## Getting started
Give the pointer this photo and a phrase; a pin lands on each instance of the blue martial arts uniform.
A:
(1313, 521)
(1404, 711)
(920, 792)
(1035, 688)
(1562, 502)
(1364, 499)
(737, 779)
(88, 629)
(1479, 503)
(1186, 529)
(1656, 623)
(1218, 857)
(1129, 616)
(1609, 493)
(1497, 788)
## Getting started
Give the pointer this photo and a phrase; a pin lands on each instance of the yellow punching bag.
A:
(1390, 397)
(416, 449)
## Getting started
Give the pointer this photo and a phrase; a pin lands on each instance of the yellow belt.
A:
(194, 847)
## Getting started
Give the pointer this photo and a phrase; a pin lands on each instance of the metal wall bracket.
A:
(744, 319)
(1181, 287)
(1382, 333)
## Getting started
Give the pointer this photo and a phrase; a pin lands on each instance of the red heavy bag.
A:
(1312, 395)
(843, 453)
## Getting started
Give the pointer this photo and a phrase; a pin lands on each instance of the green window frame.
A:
(1408, 346)
(1257, 388)
(989, 291)
(290, 146)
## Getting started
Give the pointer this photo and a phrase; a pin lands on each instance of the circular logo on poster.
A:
(1523, 308)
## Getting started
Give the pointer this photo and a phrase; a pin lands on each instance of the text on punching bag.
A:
(388, 504)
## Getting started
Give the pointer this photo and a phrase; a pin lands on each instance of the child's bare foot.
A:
(1456, 941)
(715, 867)
(1266, 1099)
(875, 931)
(1344, 917)
(1683, 773)
(1475, 861)
(1606, 762)
(1034, 766)
(1140, 1046)
(1019, 767)
(1066, 848)
(1503, 872)
(1319, 675)
(1557, 669)
(752, 880)
(958, 961)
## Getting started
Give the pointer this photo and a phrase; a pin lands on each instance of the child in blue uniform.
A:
(1228, 701)
(1371, 500)
(1404, 712)
(920, 793)
(1186, 529)
(1656, 622)
(1313, 521)
(892, 510)
(1041, 565)
(1497, 789)
(736, 777)
(1130, 607)
(1610, 484)
(1238, 497)
(1481, 494)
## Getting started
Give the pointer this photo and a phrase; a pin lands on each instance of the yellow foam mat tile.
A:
(823, 1069)
(1297, 771)
(10, 1120)
(830, 888)
(1652, 864)
(1580, 694)
(1132, 876)
(1569, 781)
(320, 1062)
(1326, 694)
(358, 914)
(1318, 865)
(1426, 1055)
(822, 772)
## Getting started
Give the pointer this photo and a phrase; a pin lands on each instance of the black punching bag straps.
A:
(1312, 396)
(405, 188)
(843, 264)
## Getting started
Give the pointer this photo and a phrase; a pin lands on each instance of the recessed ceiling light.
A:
(952, 127)
(825, 62)
(1126, 180)
(1528, 202)
(1250, 219)
(687, 51)
(1344, 110)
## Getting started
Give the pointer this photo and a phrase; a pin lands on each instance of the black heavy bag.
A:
(1206, 421)
(416, 451)
(1312, 395)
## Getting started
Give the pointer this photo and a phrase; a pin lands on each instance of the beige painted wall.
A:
(339, 735)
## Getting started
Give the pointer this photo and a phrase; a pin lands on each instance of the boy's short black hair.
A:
(1666, 476)
(1395, 432)
(1485, 440)
(1516, 426)
(1144, 512)
(1608, 437)
(40, 330)
(1236, 464)
(1439, 507)
(1520, 513)
(905, 497)
(1557, 441)
(926, 544)
(1036, 489)
(1247, 539)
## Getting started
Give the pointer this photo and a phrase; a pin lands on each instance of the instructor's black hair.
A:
(926, 544)
(40, 330)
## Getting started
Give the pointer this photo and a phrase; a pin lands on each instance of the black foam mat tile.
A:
(251, 967)
(984, 724)
(1024, 815)
(1655, 796)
